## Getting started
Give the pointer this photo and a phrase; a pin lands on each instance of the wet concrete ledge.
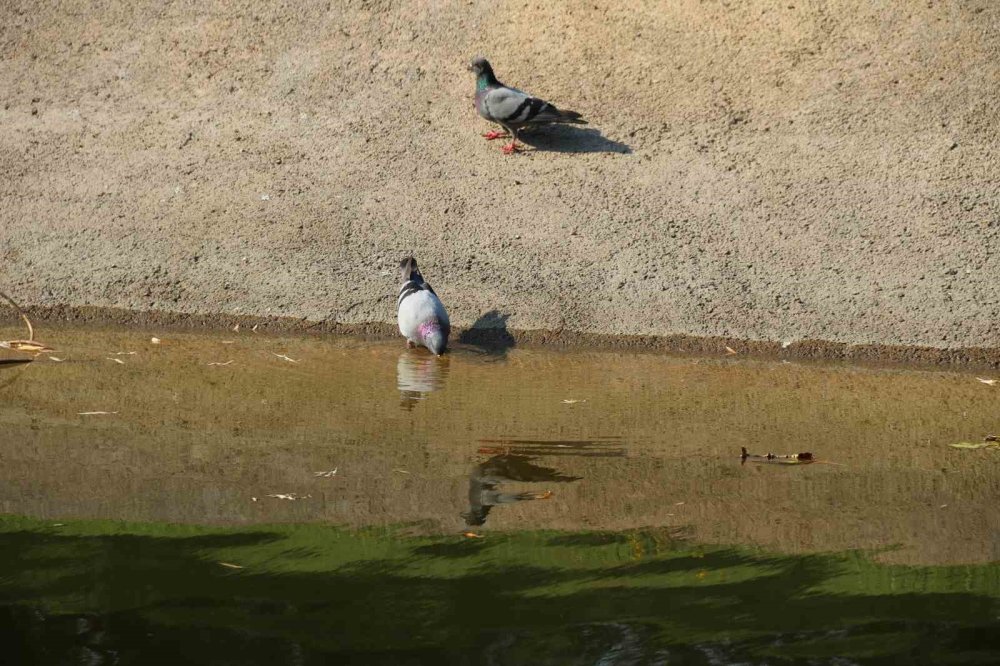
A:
(968, 358)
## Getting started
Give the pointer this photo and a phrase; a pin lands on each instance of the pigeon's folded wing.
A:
(508, 105)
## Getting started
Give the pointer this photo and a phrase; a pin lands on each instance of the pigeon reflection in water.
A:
(487, 476)
(513, 460)
(417, 374)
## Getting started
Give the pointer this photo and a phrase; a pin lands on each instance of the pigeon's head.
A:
(433, 337)
(481, 67)
(476, 516)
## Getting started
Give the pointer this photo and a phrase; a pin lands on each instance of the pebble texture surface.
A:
(761, 171)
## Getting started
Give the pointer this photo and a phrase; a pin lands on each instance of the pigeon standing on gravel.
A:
(511, 108)
(422, 318)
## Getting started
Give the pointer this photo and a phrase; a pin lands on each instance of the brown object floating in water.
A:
(789, 459)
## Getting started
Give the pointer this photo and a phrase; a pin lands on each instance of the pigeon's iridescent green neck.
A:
(482, 82)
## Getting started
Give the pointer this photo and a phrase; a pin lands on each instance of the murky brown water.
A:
(204, 428)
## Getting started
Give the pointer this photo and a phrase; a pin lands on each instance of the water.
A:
(259, 500)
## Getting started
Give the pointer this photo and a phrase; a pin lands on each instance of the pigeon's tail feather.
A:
(570, 117)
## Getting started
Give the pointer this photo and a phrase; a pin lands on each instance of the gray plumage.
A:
(511, 108)
(421, 315)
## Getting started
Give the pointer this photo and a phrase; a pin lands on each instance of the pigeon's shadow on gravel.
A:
(489, 334)
(571, 139)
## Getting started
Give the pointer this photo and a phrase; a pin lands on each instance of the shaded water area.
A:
(247, 499)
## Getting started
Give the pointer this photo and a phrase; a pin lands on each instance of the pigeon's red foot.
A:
(494, 134)
(510, 148)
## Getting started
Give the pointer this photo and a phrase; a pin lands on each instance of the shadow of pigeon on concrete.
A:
(489, 334)
(571, 139)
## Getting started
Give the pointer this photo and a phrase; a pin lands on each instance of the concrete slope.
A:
(759, 170)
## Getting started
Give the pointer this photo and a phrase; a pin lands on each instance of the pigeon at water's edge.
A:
(422, 319)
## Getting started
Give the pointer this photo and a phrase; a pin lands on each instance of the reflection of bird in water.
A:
(487, 476)
(418, 374)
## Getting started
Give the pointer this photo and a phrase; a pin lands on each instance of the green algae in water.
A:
(330, 595)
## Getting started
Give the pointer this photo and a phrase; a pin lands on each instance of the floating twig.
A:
(789, 459)
(989, 442)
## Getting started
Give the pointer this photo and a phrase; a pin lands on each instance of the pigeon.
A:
(511, 108)
(422, 317)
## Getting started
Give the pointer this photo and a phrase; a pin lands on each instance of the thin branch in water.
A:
(31, 331)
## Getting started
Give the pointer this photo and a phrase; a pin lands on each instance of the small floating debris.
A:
(94, 413)
(730, 351)
(282, 356)
(572, 401)
(988, 382)
(289, 496)
(473, 535)
(155, 341)
(126, 353)
(989, 442)
(789, 459)
(116, 360)
(400, 471)
(57, 360)
(28, 346)
(230, 565)
(218, 363)
(327, 475)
